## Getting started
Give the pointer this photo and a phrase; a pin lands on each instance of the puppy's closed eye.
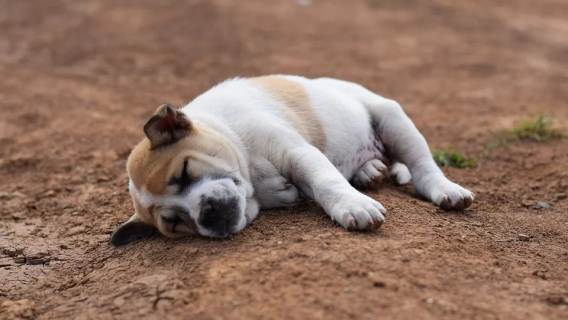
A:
(183, 180)
(171, 219)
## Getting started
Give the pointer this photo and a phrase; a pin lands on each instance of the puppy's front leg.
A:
(317, 177)
(270, 188)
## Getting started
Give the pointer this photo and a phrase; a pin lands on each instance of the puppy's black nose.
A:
(219, 215)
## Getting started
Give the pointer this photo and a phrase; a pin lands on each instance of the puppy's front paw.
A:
(357, 211)
(450, 196)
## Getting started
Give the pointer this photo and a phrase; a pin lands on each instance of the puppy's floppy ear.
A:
(166, 126)
(131, 230)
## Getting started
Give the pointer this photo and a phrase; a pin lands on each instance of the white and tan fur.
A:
(269, 140)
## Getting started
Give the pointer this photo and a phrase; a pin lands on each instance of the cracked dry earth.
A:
(79, 79)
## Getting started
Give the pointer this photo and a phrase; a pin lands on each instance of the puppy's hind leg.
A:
(406, 144)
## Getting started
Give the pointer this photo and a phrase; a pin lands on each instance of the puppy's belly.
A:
(349, 160)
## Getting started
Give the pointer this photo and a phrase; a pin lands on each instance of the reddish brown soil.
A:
(79, 78)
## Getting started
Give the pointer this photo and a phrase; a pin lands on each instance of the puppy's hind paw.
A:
(400, 173)
(451, 196)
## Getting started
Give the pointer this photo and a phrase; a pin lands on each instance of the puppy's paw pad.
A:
(359, 213)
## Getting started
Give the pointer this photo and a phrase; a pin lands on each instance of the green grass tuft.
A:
(537, 129)
(453, 159)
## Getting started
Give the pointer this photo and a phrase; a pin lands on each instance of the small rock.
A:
(379, 284)
(50, 193)
(541, 205)
(523, 237)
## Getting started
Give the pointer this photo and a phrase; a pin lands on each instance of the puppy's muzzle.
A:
(177, 218)
(219, 216)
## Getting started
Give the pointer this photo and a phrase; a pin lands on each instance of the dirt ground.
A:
(79, 78)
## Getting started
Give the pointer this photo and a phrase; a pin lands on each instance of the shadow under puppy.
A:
(254, 143)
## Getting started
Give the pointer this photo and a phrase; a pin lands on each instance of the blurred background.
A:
(439, 56)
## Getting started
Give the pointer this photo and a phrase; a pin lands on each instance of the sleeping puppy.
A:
(254, 143)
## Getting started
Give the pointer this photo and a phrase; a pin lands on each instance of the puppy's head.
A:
(185, 178)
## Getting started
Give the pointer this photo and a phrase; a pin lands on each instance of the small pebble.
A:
(50, 193)
(523, 237)
(541, 205)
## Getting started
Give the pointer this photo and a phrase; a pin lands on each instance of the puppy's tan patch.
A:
(298, 109)
(151, 169)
